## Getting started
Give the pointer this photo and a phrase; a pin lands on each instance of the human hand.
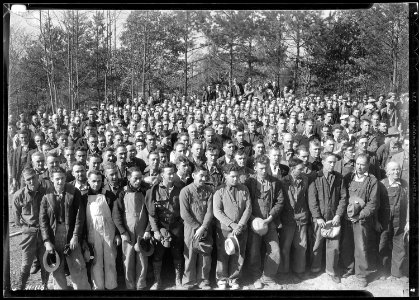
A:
(49, 247)
(117, 239)
(321, 222)
(354, 219)
(199, 233)
(157, 236)
(234, 226)
(336, 220)
(147, 235)
(74, 242)
(125, 237)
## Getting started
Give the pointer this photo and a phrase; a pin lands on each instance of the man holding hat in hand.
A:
(27, 201)
(61, 219)
(267, 203)
(197, 213)
(327, 202)
(232, 210)
(358, 227)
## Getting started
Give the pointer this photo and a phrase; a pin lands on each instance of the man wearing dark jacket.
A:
(61, 219)
(267, 203)
(327, 202)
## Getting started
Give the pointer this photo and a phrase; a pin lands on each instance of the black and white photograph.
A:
(209, 150)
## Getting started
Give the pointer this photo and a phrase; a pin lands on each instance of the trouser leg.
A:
(28, 246)
(40, 254)
(285, 241)
(384, 250)
(109, 258)
(254, 258)
(96, 270)
(317, 251)
(222, 256)
(237, 259)
(362, 257)
(141, 270)
(60, 281)
(398, 255)
(129, 264)
(272, 256)
(77, 268)
(332, 256)
(347, 256)
(299, 245)
(190, 256)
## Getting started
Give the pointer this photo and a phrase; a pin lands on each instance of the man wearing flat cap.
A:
(386, 151)
(390, 114)
(197, 213)
(358, 226)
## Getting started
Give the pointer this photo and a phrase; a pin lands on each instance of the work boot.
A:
(179, 274)
(157, 280)
(36, 266)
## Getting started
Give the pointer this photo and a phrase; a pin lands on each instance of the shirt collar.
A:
(360, 176)
(394, 182)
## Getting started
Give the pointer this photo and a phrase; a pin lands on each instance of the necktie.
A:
(61, 210)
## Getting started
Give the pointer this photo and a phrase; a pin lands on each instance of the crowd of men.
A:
(255, 184)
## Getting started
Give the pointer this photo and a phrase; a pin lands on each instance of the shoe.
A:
(35, 268)
(302, 276)
(363, 282)
(204, 285)
(188, 286)
(335, 278)
(347, 274)
(269, 282)
(258, 284)
(315, 273)
(234, 286)
(222, 285)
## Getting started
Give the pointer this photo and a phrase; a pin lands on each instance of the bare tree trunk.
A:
(144, 54)
(70, 70)
(106, 56)
(46, 61)
(77, 56)
(297, 60)
(186, 53)
(230, 77)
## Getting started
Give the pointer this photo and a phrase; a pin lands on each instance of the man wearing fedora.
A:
(27, 201)
(390, 114)
(100, 231)
(366, 131)
(162, 201)
(358, 226)
(394, 213)
(267, 203)
(327, 199)
(61, 220)
(130, 215)
(197, 213)
(386, 151)
(232, 210)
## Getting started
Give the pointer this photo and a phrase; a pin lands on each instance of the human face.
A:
(182, 168)
(361, 165)
(52, 162)
(108, 156)
(314, 150)
(79, 172)
(274, 157)
(58, 181)
(151, 141)
(95, 182)
(23, 138)
(297, 170)
(329, 163)
(365, 127)
(185, 140)
(329, 145)
(121, 154)
(349, 153)
(363, 145)
(200, 177)
(63, 141)
(32, 182)
(240, 160)
(69, 155)
(135, 179)
(259, 149)
(92, 143)
(196, 150)
(153, 161)
(292, 125)
(38, 162)
(118, 139)
(209, 136)
(309, 127)
(132, 152)
(232, 178)
(112, 176)
(303, 156)
(405, 145)
(261, 170)
(287, 142)
(211, 156)
(228, 149)
(383, 127)
(39, 141)
(94, 163)
(167, 176)
(393, 171)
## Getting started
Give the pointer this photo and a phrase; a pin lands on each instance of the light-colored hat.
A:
(51, 261)
(392, 131)
(369, 106)
(259, 227)
(231, 245)
(343, 117)
(144, 246)
(330, 231)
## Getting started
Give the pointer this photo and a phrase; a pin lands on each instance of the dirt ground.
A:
(378, 288)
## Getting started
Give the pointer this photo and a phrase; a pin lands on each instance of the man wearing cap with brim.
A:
(267, 203)
(327, 199)
(366, 131)
(27, 201)
(386, 151)
(358, 224)
(394, 214)
(196, 210)
(61, 219)
(368, 110)
(232, 210)
(389, 113)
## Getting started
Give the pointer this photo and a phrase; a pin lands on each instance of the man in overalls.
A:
(395, 201)
(131, 219)
(100, 234)
(61, 220)
(196, 212)
(27, 202)
(164, 214)
(359, 225)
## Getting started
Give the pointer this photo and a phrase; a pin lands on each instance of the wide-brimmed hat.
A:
(369, 106)
(51, 261)
(371, 101)
(392, 131)
(203, 246)
(231, 245)
(145, 246)
(343, 117)
(259, 227)
(330, 231)
(355, 205)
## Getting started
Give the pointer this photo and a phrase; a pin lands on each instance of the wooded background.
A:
(77, 60)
